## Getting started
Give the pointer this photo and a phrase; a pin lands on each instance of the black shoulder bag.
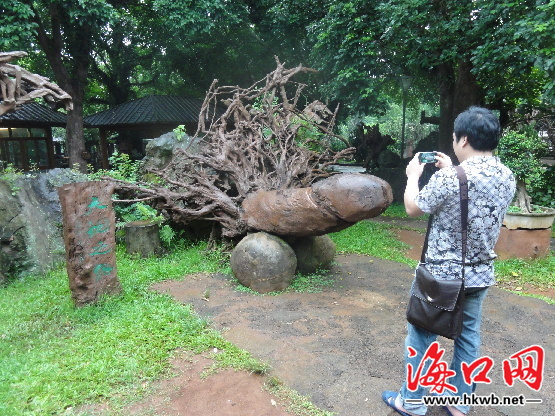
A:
(437, 305)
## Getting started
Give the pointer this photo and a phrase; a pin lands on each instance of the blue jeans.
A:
(466, 349)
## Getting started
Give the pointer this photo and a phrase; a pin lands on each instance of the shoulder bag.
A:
(437, 305)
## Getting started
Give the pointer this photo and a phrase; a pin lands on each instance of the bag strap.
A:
(425, 246)
(463, 197)
(463, 186)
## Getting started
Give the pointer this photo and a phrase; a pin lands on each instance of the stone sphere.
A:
(263, 262)
(313, 253)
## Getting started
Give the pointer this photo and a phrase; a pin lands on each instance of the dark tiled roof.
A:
(154, 109)
(33, 114)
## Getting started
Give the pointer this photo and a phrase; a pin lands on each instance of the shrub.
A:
(543, 192)
(520, 151)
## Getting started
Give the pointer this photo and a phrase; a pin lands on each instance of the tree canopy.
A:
(470, 52)
(460, 52)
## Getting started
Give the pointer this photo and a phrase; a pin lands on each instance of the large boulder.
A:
(161, 151)
(263, 262)
(330, 205)
(31, 222)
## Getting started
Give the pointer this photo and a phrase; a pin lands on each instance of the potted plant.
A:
(526, 228)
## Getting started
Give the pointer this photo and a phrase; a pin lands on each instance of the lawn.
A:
(54, 357)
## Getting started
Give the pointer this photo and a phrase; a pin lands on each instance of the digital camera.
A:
(427, 157)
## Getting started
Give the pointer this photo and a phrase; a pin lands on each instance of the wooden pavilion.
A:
(26, 136)
(136, 122)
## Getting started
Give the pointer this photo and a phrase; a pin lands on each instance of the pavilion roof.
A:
(153, 109)
(33, 115)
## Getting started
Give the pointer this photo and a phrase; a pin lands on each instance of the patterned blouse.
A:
(491, 188)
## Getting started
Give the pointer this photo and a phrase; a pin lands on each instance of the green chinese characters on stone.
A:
(100, 249)
(102, 270)
(101, 227)
(95, 204)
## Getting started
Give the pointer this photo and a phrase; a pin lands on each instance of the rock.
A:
(353, 197)
(89, 236)
(330, 205)
(313, 253)
(161, 151)
(30, 222)
(263, 262)
(289, 212)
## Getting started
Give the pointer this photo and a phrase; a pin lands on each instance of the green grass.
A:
(538, 273)
(397, 210)
(302, 283)
(311, 283)
(55, 357)
(373, 239)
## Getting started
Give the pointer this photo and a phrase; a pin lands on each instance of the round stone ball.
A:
(313, 253)
(263, 262)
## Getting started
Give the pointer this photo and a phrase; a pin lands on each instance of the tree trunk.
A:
(75, 135)
(456, 95)
(75, 139)
(70, 76)
(446, 104)
(143, 237)
(467, 90)
(522, 199)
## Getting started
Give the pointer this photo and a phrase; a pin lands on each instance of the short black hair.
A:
(480, 126)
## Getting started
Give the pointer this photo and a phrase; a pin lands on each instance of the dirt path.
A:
(341, 347)
(226, 393)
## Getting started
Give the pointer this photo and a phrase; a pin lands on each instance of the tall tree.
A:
(123, 54)
(115, 41)
(64, 31)
(347, 51)
(207, 40)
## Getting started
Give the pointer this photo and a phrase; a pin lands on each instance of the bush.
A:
(123, 168)
(543, 193)
(520, 151)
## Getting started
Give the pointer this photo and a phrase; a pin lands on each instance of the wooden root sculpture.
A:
(263, 165)
(19, 86)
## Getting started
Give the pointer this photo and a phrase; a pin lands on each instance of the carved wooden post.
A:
(89, 236)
